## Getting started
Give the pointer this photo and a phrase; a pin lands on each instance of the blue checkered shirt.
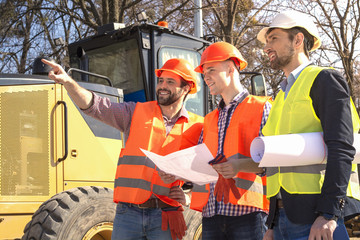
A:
(219, 208)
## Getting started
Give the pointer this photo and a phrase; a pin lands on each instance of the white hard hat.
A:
(290, 19)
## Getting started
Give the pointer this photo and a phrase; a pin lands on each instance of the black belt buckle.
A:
(151, 205)
(139, 206)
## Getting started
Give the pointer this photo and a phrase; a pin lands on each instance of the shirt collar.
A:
(237, 99)
(294, 75)
(182, 113)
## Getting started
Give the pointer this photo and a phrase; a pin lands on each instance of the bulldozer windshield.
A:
(121, 63)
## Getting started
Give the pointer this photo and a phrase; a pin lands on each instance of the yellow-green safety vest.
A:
(296, 114)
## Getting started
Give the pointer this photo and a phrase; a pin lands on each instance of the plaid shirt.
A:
(225, 113)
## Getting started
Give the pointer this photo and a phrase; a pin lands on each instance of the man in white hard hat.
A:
(309, 202)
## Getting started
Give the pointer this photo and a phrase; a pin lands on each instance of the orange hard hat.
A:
(221, 51)
(182, 68)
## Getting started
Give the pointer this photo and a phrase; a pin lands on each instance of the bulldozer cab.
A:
(130, 55)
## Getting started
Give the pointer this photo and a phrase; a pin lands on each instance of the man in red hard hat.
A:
(309, 202)
(146, 206)
(235, 207)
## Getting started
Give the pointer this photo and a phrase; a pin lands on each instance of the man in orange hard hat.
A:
(235, 207)
(309, 202)
(146, 206)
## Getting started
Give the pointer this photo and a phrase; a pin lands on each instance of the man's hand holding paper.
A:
(224, 185)
(191, 164)
(167, 178)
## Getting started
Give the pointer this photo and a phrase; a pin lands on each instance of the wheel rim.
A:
(100, 231)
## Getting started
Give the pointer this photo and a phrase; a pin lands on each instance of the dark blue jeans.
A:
(284, 229)
(248, 227)
(132, 223)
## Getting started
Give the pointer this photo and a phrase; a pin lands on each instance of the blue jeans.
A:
(250, 227)
(284, 229)
(133, 223)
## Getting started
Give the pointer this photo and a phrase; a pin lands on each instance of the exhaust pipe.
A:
(198, 25)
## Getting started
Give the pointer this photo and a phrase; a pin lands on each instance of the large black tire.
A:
(193, 222)
(79, 213)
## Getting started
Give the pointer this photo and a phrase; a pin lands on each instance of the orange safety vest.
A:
(136, 176)
(243, 128)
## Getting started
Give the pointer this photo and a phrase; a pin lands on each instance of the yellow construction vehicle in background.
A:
(57, 165)
(50, 154)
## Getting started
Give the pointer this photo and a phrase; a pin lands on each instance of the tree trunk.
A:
(114, 11)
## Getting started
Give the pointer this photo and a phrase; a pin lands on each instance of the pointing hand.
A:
(58, 74)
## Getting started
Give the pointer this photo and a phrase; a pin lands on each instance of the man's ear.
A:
(187, 88)
(299, 39)
(231, 67)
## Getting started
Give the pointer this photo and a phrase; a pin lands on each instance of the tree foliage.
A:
(30, 28)
(16, 24)
(339, 27)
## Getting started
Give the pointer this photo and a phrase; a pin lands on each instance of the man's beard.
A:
(280, 62)
(170, 99)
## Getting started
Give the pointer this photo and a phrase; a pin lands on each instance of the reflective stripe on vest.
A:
(136, 160)
(147, 167)
(243, 128)
(136, 176)
(199, 193)
(296, 114)
(250, 185)
(311, 169)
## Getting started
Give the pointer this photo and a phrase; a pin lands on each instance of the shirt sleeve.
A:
(265, 116)
(117, 115)
(331, 101)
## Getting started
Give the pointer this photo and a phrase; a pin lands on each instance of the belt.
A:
(151, 203)
(279, 203)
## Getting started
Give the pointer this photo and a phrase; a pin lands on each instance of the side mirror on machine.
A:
(258, 86)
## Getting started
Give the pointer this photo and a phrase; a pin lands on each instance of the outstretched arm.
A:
(82, 97)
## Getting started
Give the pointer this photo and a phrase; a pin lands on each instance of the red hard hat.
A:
(182, 68)
(221, 51)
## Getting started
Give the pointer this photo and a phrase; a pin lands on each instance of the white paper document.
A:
(190, 163)
(294, 150)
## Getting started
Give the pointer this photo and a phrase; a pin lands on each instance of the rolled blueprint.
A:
(294, 150)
